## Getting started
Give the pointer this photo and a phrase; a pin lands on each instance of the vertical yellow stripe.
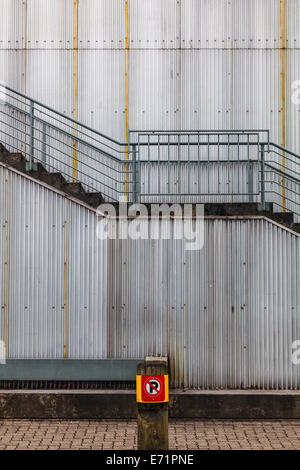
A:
(126, 95)
(138, 389)
(75, 85)
(66, 290)
(166, 388)
(283, 78)
(6, 265)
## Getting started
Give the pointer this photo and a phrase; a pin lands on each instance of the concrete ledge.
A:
(121, 404)
(236, 405)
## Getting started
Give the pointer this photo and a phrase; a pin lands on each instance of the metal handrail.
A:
(153, 163)
(58, 113)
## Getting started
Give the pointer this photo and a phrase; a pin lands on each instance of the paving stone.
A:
(121, 434)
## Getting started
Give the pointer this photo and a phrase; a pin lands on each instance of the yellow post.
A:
(152, 413)
(283, 73)
(75, 85)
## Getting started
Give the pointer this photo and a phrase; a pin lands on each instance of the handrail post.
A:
(134, 177)
(262, 181)
(29, 164)
(44, 148)
(250, 180)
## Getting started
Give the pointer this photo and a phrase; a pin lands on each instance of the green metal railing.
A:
(62, 144)
(154, 166)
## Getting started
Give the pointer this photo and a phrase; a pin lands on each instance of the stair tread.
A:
(54, 179)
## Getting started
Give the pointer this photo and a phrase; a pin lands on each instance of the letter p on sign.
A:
(152, 388)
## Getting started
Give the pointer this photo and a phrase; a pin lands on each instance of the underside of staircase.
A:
(56, 180)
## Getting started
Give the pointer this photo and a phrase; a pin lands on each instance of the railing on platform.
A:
(154, 166)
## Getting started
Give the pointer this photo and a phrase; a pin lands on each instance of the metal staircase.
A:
(240, 166)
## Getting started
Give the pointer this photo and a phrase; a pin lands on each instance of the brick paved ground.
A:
(183, 434)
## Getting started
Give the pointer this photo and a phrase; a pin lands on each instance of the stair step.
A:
(14, 159)
(297, 227)
(18, 161)
(3, 149)
(93, 199)
(285, 217)
(73, 188)
(53, 179)
(235, 208)
(41, 168)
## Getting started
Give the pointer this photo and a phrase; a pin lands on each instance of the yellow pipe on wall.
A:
(66, 289)
(283, 81)
(75, 85)
(6, 264)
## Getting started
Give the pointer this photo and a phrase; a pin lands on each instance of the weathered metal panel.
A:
(231, 89)
(12, 25)
(56, 280)
(48, 24)
(35, 229)
(226, 315)
(235, 24)
(239, 24)
(154, 89)
(49, 78)
(155, 24)
(101, 98)
(87, 286)
(207, 64)
(101, 24)
(221, 314)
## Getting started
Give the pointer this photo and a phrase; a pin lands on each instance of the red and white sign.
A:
(153, 388)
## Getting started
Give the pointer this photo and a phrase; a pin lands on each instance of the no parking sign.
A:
(152, 388)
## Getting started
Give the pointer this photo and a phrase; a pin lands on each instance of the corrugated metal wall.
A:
(225, 315)
(53, 274)
(191, 64)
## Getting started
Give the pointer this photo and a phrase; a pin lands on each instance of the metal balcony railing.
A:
(154, 166)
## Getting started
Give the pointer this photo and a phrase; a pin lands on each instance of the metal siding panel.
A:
(154, 89)
(101, 24)
(101, 99)
(230, 321)
(155, 24)
(49, 78)
(207, 344)
(12, 24)
(49, 24)
(35, 278)
(225, 315)
(237, 88)
(38, 220)
(87, 287)
(252, 24)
